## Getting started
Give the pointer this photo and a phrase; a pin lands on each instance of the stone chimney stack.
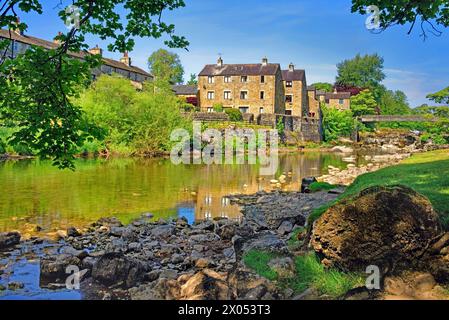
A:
(265, 61)
(126, 59)
(220, 62)
(96, 51)
(291, 67)
(335, 90)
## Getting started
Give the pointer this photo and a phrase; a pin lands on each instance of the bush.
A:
(140, 121)
(218, 107)
(234, 114)
(337, 123)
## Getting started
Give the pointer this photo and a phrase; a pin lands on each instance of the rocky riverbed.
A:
(172, 259)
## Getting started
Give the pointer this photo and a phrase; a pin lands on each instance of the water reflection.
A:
(33, 193)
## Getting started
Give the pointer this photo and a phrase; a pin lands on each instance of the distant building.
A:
(250, 88)
(188, 92)
(338, 100)
(295, 88)
(21, 42)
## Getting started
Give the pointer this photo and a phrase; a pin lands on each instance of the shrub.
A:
(234, 114)
(218, 107)
(337, 123)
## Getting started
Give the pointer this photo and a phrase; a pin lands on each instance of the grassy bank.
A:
(425, 172)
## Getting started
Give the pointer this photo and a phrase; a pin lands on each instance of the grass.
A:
(426, 173)
(309, 273)
(294, 237)
(321, 186)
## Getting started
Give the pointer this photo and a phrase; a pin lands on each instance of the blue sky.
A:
(313, 34)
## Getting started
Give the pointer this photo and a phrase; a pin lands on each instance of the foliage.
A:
(218, 107)
(363, 104)
(294, 237)
(394, 103)
(336, 123)
(424, 172)
(437, 111)
(280, 127)
(166, 66)
(234, 114)
(423, 13)
(309, 273)
(38, 87)
(362, 72)
(193, 81)
(323, 86)
(441, 96)
(139, 121)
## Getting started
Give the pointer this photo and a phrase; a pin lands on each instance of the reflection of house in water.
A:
(212, 204)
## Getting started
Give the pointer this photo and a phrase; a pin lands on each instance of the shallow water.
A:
(33, 193)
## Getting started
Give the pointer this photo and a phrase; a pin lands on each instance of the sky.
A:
(313, 34)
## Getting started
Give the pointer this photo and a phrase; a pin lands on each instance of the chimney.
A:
(291, 67)
(126, 59)
(265, 61)
(335, 90)
(96, 51)
(56, 40)
(220, 62)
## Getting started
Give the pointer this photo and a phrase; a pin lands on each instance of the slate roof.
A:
(240, 70)
(185, 90)
(338, 95)
(51, 45)
(295, 75)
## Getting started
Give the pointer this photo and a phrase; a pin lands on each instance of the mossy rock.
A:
(390, 227)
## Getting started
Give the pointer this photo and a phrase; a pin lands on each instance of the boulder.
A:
(114, 269)
(306, 182)
(206, 285)
(163, 231)
(9, 239)
(390, 227)
(53, 268)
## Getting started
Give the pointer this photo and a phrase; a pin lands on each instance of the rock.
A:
(108, 222)
(264, 240)
(284, 267)
(226, 232)
(206, 237)
(116, 231)
(152, 275)
(2, 287)
(134, 246)
(441, 243)
(53, 268)
(168, 274)
(342, 149)
(61, 234)
(9, 239)
(177, 258)
(163, 231)
(206, 285)
(425, 282)
(205, 225)
(203, 263)
(306, 182)
(13, 286)
(73, 232)
(285, 227)
(257, 293)
(389, 227)
(116, 269)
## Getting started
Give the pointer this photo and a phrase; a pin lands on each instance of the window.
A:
(289, 84)
(210, 95)
(289, 98)
(244, 109)
(227, 79)
(210, 79)
(262, 79)
(261, 110)
(262, 95)
(341, 101)
(288, 112)
(210, 109)
(244, 79)
(227, 95)
(243, 95)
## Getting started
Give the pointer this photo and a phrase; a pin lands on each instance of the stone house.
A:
(21, 42)
(295, 88)
(251, 88)
(187, 92)
(338, 100)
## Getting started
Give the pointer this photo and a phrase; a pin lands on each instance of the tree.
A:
(424, 13)
(165, 65)
(193, 80)
(363, 72)
(441, 96)
(363, 104)
(436, 111)
(37, 89)
(323, 86)
(336, 123)
(394, 103)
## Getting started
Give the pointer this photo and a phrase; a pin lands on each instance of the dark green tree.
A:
(363, 103)
(441, 96)
(394, 103)
(193, 81)
(37, 89)
(323, 86)
(165, 65)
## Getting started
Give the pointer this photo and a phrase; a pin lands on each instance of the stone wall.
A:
(208, 116)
